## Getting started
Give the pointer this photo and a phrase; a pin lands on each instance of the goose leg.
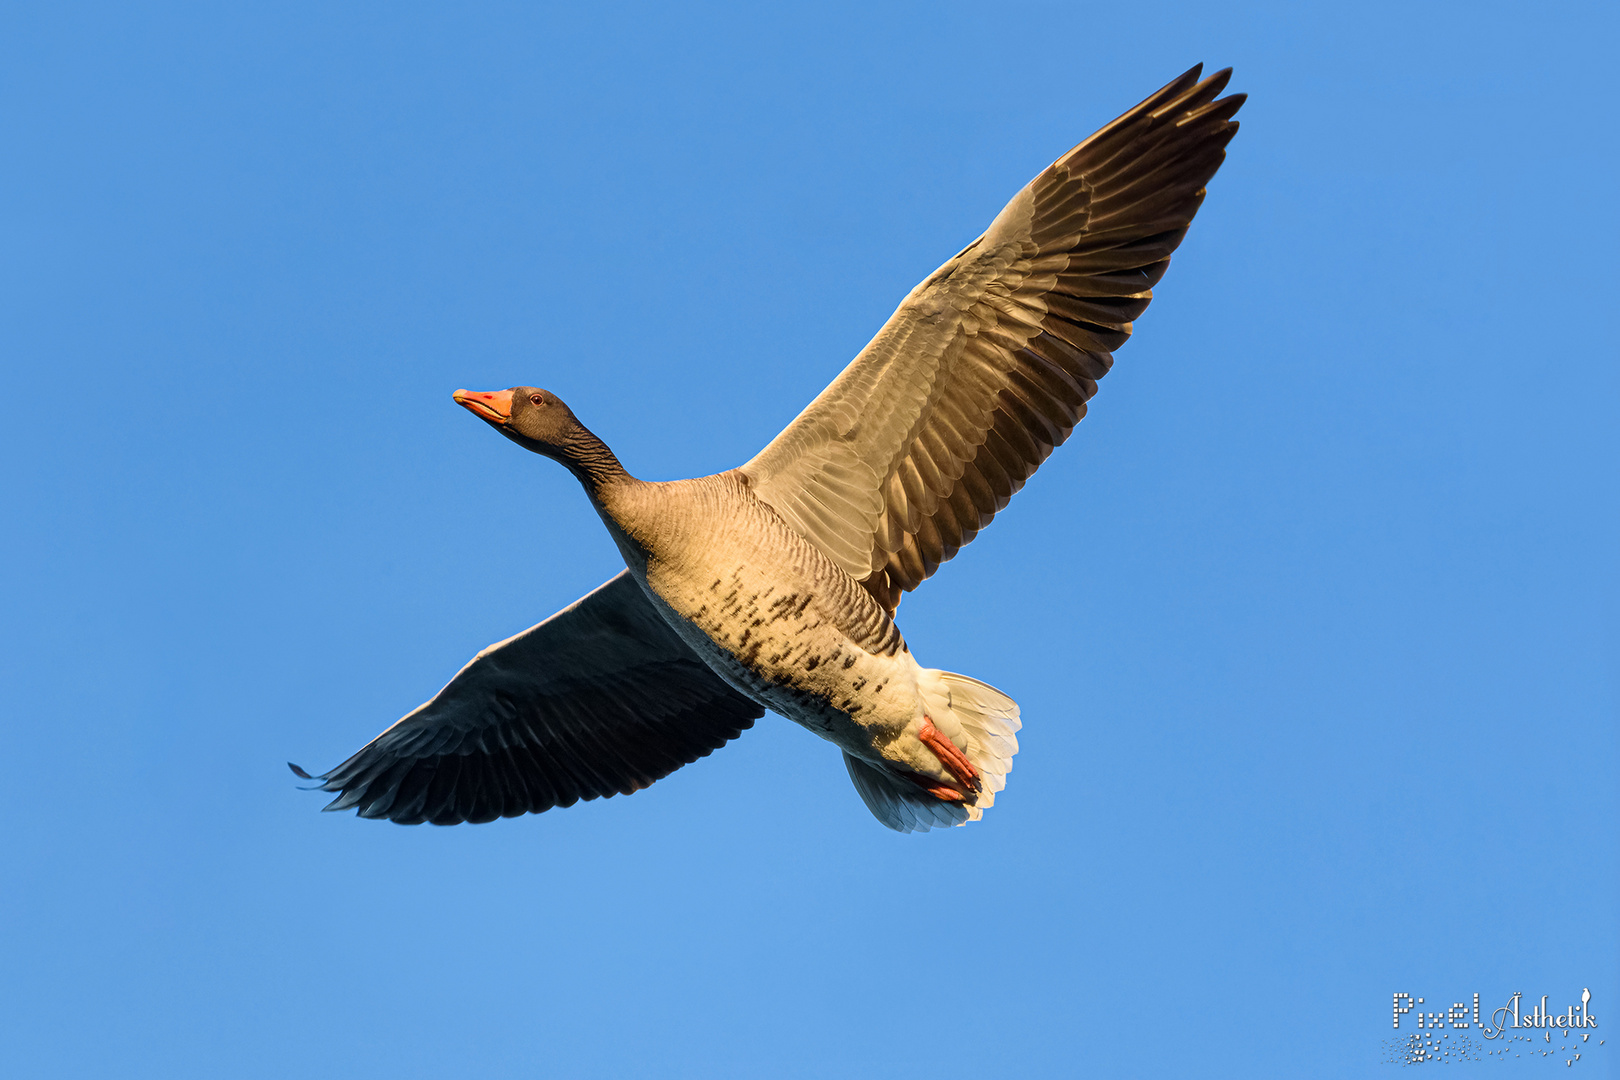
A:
(953, 759)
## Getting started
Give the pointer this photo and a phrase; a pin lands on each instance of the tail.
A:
(978, 718)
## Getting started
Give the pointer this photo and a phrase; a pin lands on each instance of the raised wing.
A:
(601, 699)
(988, 364)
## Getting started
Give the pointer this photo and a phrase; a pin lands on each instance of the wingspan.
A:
(601, 699)
(987, 365)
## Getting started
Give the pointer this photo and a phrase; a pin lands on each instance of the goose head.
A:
(535, 419)
(538, 420)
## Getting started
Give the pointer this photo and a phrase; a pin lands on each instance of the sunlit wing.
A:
(988, 364)
(601, 699)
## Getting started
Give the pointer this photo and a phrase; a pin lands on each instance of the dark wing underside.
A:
(601, 699)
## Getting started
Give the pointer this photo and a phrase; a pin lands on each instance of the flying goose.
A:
(775, 585)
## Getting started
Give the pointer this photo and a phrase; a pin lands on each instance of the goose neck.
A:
(592, 463)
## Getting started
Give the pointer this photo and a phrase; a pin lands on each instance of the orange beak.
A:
(494, 406)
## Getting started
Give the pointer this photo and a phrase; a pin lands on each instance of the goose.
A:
(775, 585)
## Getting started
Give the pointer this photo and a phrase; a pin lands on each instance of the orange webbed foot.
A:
(955, 762)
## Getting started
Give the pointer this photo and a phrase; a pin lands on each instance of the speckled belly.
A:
(771, 641)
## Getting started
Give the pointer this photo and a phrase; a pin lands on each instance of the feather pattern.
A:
(987, 365)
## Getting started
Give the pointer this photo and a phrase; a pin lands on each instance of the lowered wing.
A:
(601, 699)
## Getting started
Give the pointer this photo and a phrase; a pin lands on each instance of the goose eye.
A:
(537, 399)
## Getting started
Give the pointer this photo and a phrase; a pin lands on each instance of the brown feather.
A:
(1011, 336)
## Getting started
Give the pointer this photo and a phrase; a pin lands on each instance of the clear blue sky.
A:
(1312, 621)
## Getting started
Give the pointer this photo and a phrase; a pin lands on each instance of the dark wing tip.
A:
(1220, 110)
(1171, 90)
(299, 772)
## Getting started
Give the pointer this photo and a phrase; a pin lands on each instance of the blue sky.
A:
(1312, 621)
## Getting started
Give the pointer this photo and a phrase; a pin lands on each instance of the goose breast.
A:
(767, 610)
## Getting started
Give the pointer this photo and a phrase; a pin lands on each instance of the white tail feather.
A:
(979, 719)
